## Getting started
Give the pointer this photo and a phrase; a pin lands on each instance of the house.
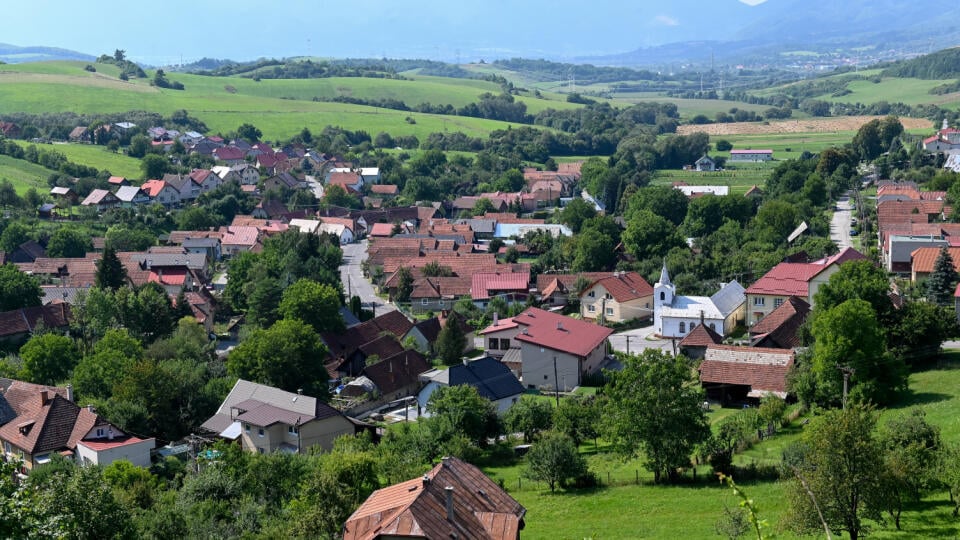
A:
(923, 260)
(492, 379)
(79, 134)
(345, 347)
(9, 130)
(161, 192)
(209, 247)
(184, 185)
(381, 230)
(781, 328)
(282, 181)
(267, 419)
(102, 199)
(308, 226)
(235, 239)
(787, 279)
(674, 315)
(28, 251)
(555, 351)
(38, 421)
(558, 289)
(230, 155)
(64, 193)
(453, 500)
(751, 155)
(694, 344)
(620, 297)
(391, 378)
(205, 180)
(520, 230)
(387, 191)
(47, 211)
(18, 324)
(699, 191)
(705, 164)
(349, 181)
(511, 286)
(754, 192)
(438, 293)
(737, 374)
(132, 196)
(118, 181)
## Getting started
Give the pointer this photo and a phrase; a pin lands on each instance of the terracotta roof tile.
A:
(763, 370)
(559, 333)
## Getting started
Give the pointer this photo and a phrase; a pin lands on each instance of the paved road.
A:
(638, 339)
(355, 284)
(840, 224)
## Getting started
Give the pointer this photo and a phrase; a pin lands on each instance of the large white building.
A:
(676, 316)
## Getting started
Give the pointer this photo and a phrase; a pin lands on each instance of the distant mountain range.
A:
(13, 54)
(771, 32)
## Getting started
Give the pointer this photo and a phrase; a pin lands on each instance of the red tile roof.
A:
(417, 508)
(626, 286)
(485, 284)
(560, 333)
(107, 444)
(780, 329)
(763, 370)
(239, 235)
(384, 189)
(793, 279)
(701, 336)
(153, 187)
(381, 229)
(924, 258)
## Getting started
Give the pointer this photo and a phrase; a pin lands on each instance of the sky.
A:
(468, 30)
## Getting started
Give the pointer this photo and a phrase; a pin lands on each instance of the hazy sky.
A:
(164, 31)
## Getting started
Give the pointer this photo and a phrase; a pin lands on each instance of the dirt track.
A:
(809, 125)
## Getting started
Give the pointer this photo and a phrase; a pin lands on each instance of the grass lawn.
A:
(95, 156)
(24, 175)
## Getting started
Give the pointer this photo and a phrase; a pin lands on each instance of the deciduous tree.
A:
(286, 356)
(554, 460)
(316, 304)
(17, 290)
(49, 358)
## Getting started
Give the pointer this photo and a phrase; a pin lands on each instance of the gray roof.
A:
(252, 394)
(729, 298)
(483, 226)
(66, 294)
(492, 379)
(200, 242)
(127, 193)
(194, 261)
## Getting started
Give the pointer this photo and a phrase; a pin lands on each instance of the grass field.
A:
(95, 156)
(24, 175)
(909, 91)
(225, 103)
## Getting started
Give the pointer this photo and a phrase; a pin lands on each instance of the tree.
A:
(316, 304)
(849, 336)
(465, 412)
(451, 342)
(153, 166)
(17, 289)
(13, 236)
(83, 507)
(576, 212)
(285, 356)
(482, 206)
(48, 358)
(530, 417)
(650, 236)
(912, 450)
(723, 145)
(861, 280)
(578, 418)
(943, 280)
(197, 219)
(654, 408)
(404, 284)
(249, 133)
(837, 466)
(554, 460)
(593, 251)
(68, 242)
(111, 274)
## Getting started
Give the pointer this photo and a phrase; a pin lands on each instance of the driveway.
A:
(354, 284)
(636, 340)
(840, 224)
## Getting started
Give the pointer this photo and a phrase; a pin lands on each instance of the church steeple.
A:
(664, 275)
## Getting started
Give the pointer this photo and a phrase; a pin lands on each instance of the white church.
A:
(676, 316)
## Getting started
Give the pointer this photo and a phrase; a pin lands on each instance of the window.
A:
(260, 432)
(609, 311)
(504, 344)
(759, 301)
(777, 302)
(608, 296)
(293, 430)
(544, 377)
(692, 326)
(592, 294)
(424, 302)
(713, 326)
(663, 295)
(246, 427)
(100, 432)
(494, 344)
(591, 308)
(683, 327)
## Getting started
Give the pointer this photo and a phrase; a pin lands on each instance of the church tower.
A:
(663, 294)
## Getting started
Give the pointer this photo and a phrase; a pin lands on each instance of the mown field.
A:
(24, 175)
(629, 510)
(224, 103)
(95, 156)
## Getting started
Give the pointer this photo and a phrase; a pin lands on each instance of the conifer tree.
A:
(110, 271)
(943, 279)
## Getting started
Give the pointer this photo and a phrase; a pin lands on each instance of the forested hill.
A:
(943, 64)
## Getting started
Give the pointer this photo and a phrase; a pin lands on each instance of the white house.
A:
(675, 316)
(340, 230)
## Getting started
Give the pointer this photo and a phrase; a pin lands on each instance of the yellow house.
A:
(620, 297)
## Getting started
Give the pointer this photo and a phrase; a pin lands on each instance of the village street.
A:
(637, 339)
(840, 224)
(355, 284)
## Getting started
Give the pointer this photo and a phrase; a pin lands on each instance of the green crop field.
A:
(95, 156)
(224, 103)
(909, 91)
(24, 175)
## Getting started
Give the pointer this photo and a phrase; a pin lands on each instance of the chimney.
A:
(449, 490)
(299, 391)
(701, 317)
(91, 408)
(465, 361)
(496, 318)
(70, 393)
(426, 480)
(559, 326)
(44, 397)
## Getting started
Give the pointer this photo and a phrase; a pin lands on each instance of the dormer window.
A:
(101, 432)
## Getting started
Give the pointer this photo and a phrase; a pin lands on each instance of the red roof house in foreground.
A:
(453, 500)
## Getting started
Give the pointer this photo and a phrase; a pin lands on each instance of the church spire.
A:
(664, 275)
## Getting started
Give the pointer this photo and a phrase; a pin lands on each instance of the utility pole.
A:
(628, 343)
(847, 372)
(556, 381)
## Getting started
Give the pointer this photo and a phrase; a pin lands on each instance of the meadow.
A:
(95, 156)
(631, 506)
(24, 175)
(224, 103)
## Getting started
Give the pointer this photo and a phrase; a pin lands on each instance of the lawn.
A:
(739, 180)
(24, 175)
(95, 156)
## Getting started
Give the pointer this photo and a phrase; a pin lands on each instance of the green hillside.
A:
(24, 175)
(278, 107)
(95, 156)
